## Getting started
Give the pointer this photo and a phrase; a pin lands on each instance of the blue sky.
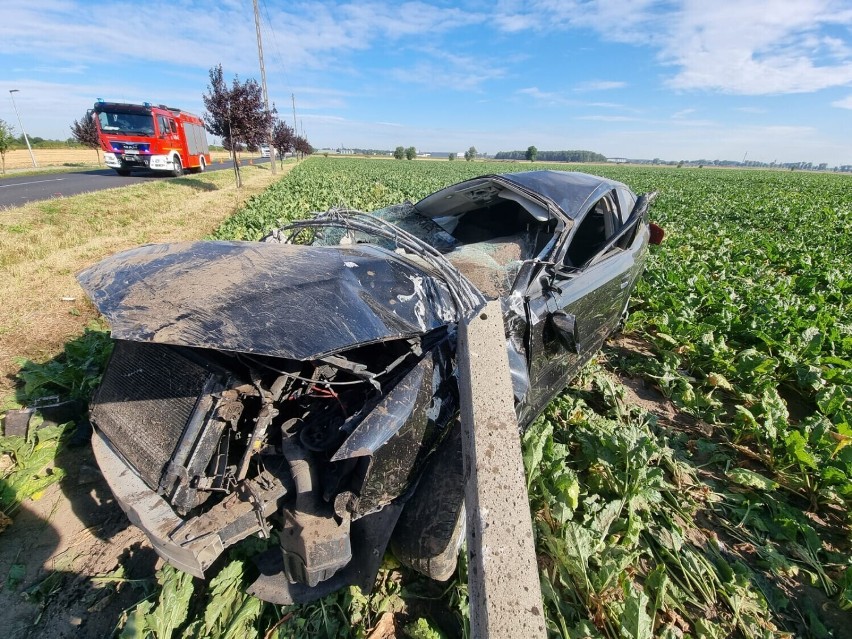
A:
(714, 79)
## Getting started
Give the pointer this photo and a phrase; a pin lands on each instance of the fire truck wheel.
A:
(123, 172)
(178, 167)
(202, 164)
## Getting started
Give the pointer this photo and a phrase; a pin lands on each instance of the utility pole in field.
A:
(293, 99)
(263, 81)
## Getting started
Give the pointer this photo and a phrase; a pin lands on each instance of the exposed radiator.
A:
(147, 397)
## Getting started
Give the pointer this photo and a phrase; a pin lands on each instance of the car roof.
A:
(569, 191)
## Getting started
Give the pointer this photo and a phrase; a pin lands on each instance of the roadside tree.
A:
(236, 114)
(451, 157)
(532, 153)
(85, 132)
(410, 153)
(470, 154)
(283, 139)
(399, 153)
(302, 146)
(6, 141)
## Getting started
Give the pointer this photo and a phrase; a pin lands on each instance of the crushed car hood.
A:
(282, 300)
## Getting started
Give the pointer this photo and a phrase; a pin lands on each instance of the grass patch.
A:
(43, 244)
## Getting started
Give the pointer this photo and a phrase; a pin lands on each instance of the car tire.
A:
(431, 528)
(122, 172)
(178, 167)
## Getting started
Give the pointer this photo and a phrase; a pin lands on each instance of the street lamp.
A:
(26, 139)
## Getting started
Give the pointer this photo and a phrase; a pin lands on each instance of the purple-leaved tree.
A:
(236, 114)
(283, 139)
(85, 132)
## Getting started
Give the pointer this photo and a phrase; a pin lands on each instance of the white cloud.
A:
(617, 18)
(513, 23)
(844, 103)
(682, 113)
(545, 98)
(203, 34)
(743, 47)
(555, 99)
(599, 85)
(449, 70)
(755, 48)
(750, 109)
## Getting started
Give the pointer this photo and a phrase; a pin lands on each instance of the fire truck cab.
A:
(156, 138)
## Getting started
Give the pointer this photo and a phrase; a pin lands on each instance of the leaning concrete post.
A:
(505, 595)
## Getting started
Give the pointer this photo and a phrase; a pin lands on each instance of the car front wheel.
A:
(431, 529)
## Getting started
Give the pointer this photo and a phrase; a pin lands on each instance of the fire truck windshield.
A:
(127, 123)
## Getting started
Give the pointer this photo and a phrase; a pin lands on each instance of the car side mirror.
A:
(565, 325)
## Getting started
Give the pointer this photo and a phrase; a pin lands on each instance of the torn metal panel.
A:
(385, 420)
(147, 510)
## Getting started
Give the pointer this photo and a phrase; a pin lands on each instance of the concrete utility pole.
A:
(263, 80)
(505, 595)
(21, 124)
(293, 99)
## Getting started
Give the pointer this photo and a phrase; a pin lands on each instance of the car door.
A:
(575, 307)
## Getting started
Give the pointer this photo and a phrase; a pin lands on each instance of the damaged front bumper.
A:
(192, 546)
(189, 544)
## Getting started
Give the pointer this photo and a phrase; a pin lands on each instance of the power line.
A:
(277, 51)
(265, 91)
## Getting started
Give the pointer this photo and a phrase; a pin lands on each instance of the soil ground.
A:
(61, 549)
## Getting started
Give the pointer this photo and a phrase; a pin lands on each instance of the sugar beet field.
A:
(695, 481)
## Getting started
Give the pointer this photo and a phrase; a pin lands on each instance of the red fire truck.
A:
(142, 136)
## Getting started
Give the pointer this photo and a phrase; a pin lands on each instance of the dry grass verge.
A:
(43, 244)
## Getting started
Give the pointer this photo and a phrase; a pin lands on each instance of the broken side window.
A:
(591, 235)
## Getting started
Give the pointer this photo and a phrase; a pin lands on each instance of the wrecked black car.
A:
(306, 384)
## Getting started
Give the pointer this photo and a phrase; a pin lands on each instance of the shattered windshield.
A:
(401, 215)
(128, 123)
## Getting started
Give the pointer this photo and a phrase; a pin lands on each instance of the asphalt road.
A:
(32, 188)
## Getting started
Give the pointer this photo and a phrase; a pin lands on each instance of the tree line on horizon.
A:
(551, 156)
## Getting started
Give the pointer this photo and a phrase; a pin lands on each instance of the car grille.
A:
(146, 398)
